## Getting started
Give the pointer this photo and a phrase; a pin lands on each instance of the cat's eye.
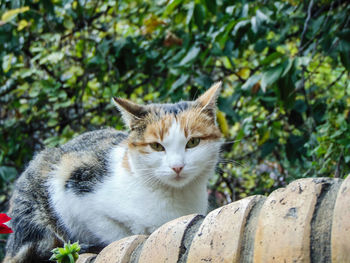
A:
(157, 146)
(193, 142)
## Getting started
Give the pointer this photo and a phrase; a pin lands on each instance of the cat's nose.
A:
(177, 169)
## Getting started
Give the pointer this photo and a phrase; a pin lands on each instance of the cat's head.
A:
(173, 144)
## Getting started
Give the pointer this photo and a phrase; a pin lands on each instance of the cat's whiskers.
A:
(228, 161)
(234, 141)
(153, 181)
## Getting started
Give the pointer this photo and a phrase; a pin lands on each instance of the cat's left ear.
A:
(207, 101)
(131, 112)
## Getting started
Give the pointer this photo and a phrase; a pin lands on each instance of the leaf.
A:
(260, 45)
(261, 17)
(222, 123)
(300, 106)
(243, 73)
(52, 58)
(268, 147)
(224, 33)
(287, 65)
(286, 87)
(211, 5)
(271, 76)
(199, 15)
(7, 62)
(7, 173)
(68, 23)
(251, 82)
(347, 159)
(264, 138)
(254, 24)
(319, 109)
(240, 25)
(258, 20)
(344, 34)
(7, 16)
(295, 147)
(71, 258)
(171, 6)
(151, 24)
(238, 138)
(179, 82)
(189, 13)
(302, 61)
(204, 81)
(271, 57)
(22, 24)
(344, 52)
(191, 55)
(68, 253)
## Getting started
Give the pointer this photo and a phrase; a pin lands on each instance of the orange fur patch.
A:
(125, 162)
(157, 130)
(196, 124)
(193, 122)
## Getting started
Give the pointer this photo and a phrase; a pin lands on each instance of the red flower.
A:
(4, 229)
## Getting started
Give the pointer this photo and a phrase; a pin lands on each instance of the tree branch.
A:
(307, 21)
(337, 79)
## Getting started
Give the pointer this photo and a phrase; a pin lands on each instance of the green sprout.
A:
(66, 254)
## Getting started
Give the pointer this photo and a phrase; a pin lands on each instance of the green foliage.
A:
(66, 254)
(284, 64)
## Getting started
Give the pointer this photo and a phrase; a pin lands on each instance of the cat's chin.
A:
(178, 181)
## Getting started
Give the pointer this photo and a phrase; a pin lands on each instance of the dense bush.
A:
(284, 64)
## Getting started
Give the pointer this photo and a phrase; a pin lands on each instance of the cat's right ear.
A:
(131, 112)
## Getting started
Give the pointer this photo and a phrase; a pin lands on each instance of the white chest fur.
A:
(123, 205)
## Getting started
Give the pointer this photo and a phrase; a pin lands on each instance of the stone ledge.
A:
(307, 221)
(120, 251)
(86, 258)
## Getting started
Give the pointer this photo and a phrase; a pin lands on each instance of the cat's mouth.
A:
(178, 178)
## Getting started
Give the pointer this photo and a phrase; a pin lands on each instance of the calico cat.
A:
(105, 185)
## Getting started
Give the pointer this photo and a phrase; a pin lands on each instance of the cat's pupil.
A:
(193, 142)
(157, 146)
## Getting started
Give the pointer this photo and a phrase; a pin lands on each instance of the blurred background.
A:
(284, 108)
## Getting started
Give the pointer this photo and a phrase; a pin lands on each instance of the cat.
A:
(105, 185)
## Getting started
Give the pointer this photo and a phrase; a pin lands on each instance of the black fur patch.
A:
(175, 108)
(84, 178)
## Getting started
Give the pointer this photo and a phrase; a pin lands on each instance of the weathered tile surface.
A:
(219, 237)
(86, 258)
(341, 225)
(284, 225)
(120, 251)
(164, 245)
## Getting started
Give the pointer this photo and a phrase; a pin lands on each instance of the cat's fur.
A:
(106, 184)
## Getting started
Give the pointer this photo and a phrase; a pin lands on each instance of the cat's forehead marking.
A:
(161, 117)
(194, 123)
(190, 119)
(156, 129)
(174, 136)
(176, 108)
